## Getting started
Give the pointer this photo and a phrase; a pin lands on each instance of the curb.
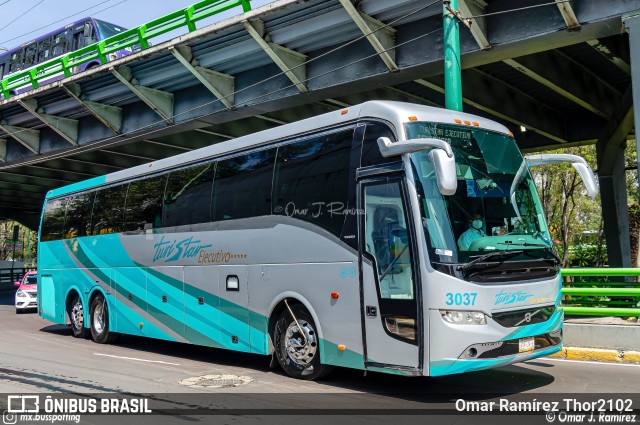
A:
(598, 355)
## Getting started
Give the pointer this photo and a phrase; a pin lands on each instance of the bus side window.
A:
(77, 41)
(89, 33)
(187, 199)
(143, 208)
(370, 151)
(242, 186)
(2, 70)
(30, 55)
(108, 210)
(60, 44)
(78, 216)
(16, 61)
(312, 180)
(44, 50)
(53, 220)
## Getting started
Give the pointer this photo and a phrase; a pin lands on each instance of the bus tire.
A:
(298, 352)
(100, 332)
(75, 311)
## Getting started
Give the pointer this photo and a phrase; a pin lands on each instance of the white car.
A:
(27, 293)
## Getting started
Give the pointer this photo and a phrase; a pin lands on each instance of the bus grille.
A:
(529, 316)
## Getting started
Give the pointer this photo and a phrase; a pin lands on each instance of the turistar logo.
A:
(511, 297)
(169, 251)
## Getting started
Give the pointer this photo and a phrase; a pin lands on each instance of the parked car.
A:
(27, 292)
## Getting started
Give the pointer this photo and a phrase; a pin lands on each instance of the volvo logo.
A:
(527, 317)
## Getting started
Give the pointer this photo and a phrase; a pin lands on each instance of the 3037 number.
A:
(461, 298)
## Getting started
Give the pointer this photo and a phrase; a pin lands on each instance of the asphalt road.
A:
(37, 356)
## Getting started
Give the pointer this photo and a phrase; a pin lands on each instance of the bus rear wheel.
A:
(75, 311)
(297, 346)
(100, 332)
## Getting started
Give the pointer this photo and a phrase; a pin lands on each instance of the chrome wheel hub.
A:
(77, 315)
(98, 318)
(301, 342)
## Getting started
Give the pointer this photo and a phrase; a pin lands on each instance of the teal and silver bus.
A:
(333, 241)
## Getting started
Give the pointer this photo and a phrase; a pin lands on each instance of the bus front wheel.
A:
(75, 310)
(100, 332)
(297, 345)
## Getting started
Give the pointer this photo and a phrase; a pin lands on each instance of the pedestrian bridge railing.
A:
(133, 38)
(601, 291)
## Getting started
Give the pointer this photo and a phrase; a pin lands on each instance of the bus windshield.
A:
(106, 30)
(496, 206)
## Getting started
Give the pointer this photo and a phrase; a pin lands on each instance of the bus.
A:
(71, 37)
(332, 241)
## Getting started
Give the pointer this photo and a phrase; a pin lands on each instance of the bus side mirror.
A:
(88, 30)
(445, 168)
(441, 157)
(579, 163)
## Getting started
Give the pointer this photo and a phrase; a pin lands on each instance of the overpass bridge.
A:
(560, 70)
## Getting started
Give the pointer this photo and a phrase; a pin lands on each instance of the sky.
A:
(48, 15)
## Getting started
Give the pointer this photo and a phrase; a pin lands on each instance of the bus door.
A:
(234, 307)
(390, 292)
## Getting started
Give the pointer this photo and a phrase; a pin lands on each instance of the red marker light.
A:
(335, 295)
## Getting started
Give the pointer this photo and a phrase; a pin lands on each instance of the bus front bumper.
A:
(471, 348)
(490, 355)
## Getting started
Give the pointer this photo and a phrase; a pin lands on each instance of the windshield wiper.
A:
(481, 258)
(525, 243)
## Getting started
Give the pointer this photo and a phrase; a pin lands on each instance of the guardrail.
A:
(8, 276)
(141, 35)
(592, 294)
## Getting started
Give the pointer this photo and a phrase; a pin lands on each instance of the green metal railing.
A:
(601, 297)
(141, 35)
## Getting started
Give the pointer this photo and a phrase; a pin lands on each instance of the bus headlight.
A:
(456, 317)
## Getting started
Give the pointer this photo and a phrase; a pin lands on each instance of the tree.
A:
(567, 207)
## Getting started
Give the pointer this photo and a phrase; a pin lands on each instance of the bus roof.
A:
(397, 113)
(49, 34)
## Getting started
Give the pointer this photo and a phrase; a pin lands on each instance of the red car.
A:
(27, 292)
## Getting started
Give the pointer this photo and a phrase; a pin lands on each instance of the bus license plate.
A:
(526, 344)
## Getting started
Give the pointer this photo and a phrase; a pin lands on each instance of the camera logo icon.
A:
(9, 418)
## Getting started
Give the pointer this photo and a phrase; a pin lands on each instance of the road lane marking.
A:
(136, 359)
(590, 362)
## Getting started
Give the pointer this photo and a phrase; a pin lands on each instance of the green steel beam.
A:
(3, 150)
(612, 57)
(27, 137)
(380, 35)
(290, 62)
(221, 85)
(539, 71)
(478, 27)
(65, 127)
(568, 15)
(160, 101)
(109, 116)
